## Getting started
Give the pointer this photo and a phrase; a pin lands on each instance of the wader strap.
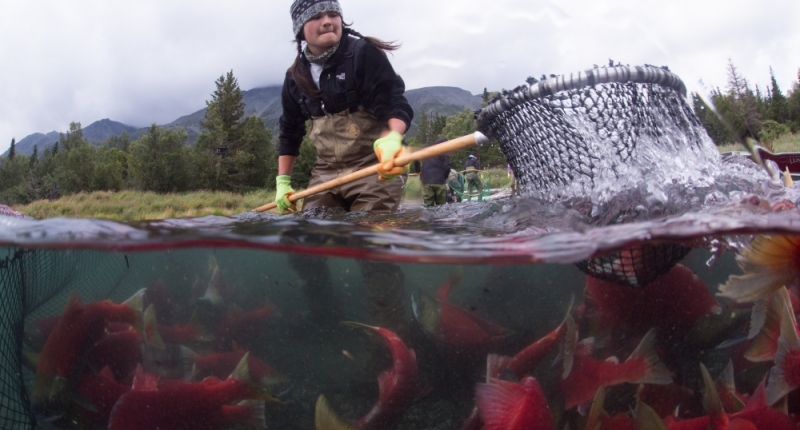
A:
(350, 87)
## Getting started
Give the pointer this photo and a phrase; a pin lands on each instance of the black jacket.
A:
(380, 92)
(435, 170)
(474, 162)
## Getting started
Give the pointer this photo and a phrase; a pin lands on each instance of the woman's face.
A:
(323, 31)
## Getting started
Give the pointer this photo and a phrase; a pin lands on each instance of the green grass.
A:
(139, 206)
(136, 205)
(784, 143)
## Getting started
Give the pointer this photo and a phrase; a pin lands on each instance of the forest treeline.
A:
(239, 154)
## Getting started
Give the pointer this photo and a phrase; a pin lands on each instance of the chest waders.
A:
(344, 144)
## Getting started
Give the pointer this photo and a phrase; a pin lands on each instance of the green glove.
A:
(282, 192)
(387, 149)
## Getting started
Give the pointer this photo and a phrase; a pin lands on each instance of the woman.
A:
(343, 82)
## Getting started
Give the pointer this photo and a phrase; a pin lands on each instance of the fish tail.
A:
(455, 277)
(326, 419)
(258, 419)
(656, 371)
(189, 363)
(769, 262)
(788, 342)
(765, 327)
(726, 385)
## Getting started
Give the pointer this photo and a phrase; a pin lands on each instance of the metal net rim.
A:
(586, 78)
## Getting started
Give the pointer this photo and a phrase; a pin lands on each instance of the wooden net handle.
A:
(403, 160)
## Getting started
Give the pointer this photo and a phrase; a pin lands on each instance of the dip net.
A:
(593, 135)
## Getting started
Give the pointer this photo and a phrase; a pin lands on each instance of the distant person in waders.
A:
(343, 82)
(472, 166)
(433, 176)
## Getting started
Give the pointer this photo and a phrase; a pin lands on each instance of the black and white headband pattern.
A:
(304, 10)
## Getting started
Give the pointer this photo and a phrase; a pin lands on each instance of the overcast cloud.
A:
(151, 61)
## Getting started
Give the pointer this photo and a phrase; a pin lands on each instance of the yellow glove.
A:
(282, 192)
(387, 149)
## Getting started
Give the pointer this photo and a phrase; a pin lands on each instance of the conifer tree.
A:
(12, 151)
(777, 110)
(228, 104)
(35, 155)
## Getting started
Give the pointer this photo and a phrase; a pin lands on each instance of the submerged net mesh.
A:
(35, 284)
(591, 134)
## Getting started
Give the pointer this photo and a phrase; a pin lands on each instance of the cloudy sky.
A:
(152, 61)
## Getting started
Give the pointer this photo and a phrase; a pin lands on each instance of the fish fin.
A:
(143, 381)
(567, 350)
(751, 286)
(774, 307)
(647, 418)
(656, 371)
(136, 301)
(768, 263)
(710, 395)
(499, 400)
(726, 378)
(151, 335)
(326, 419)
(727, 384)
(596, 411)
(787, 178)
(455, 277)
(777, 386)
(758, 317)
(189, 367)
(495, 364)
(212, 296)
(258, 419)
(426, 311)
(242, 370)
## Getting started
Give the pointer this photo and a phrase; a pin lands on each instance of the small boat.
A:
(785, 160)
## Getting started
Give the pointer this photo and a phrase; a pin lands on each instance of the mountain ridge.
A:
(265, 102)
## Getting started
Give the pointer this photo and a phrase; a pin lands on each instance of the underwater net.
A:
(33, 284)
(596, 133)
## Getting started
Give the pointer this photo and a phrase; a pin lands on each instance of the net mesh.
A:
(637, 266)
(35, 284)
(591, 135)
(562, 134)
